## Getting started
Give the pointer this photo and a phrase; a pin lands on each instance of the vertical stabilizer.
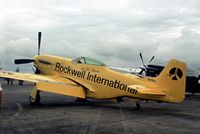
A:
(173, 80)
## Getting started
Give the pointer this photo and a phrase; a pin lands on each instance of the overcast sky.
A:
(114, 31)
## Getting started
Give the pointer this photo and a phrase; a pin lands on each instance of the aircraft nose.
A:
(36, 58)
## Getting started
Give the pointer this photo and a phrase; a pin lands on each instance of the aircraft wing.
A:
(49, 83)
(147, 91)
(25, 76)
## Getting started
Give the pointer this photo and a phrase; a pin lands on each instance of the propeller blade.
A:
(142, 60)
(23, 61)
(151, 59)
(33, 70)
(39, 41)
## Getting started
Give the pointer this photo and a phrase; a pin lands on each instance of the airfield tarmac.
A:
(62, 114)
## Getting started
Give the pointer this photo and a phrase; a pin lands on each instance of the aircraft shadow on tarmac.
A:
(154, 109)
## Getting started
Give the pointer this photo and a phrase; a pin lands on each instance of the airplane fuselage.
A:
(106, 82)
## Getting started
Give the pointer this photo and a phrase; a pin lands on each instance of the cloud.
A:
(186, 48)
(112, 31)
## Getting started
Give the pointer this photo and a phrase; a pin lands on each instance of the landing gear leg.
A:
(137, 104)
(34, 97)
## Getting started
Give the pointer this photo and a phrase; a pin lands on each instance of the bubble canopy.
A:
(88, 60)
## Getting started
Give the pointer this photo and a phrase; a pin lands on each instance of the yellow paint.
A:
(33, 93)
(68, 77)
(65, 89)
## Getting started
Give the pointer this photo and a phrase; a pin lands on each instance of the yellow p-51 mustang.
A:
(89, 78)
(85, 77)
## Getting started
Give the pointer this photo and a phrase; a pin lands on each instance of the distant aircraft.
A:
(152, 70)
(86, 77)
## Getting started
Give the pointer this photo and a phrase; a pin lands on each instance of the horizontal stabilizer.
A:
(147, 91)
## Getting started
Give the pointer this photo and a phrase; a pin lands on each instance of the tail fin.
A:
(173, 80)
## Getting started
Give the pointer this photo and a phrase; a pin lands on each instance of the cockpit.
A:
(88, 60)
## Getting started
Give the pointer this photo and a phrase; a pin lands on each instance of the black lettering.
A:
(82, 74)
(61, 68)
(133, 91)
(57, 66)
(88, 76)
(98, 79)
(116, 85)
(74, 72)
(79, 74)
(65, 70)
(105, 81)
(121, 87)
(68, 70)
(125, 87)
(94, 76)
(111, 83)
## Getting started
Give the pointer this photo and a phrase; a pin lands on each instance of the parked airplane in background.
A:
(152, 70)
(86, 77)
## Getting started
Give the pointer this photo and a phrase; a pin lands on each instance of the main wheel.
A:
(36, 100)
